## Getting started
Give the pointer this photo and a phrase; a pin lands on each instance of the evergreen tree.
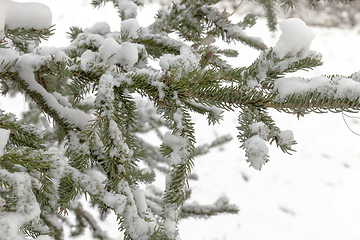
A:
(101, 95)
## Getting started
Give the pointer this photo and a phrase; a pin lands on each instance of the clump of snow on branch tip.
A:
(87, 60)
(298, 85)
(296, 38)
(348, 88)
(139, 197)
(179, 146)
(108, 50)
(105, 93)
(128, 54)
(339, 87)
(120, 147)
(101, 28)
(256, 151)
(260, 129)
(60, 56)
(24, 15)
(286, 138)
(127, 8)
(129, 28)
(112, 52)
(170, 228)
(187, 60)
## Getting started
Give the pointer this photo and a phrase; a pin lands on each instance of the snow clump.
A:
(179, 146)
(286, 138)
(260, 129)
(187, 60)
(101, 28)
(348, 88)
(296, 38)
(125, 53)
(127, 8)
(23, 15)
(129, 28)
(256, 151)
(298, 85)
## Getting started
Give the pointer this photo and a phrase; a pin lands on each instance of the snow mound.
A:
(296, 38)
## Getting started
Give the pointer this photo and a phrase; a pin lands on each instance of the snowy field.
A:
(311, 195)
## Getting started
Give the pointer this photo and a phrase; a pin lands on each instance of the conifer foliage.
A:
(101, 95)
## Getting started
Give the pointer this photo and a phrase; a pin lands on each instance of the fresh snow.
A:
(23, 15)
(108, 49)
(4, 136)
(139, 198)
(179, 146)
(26, 65)
(340, 86)
(292, 85)
(186, 61)
(348, 88)
(125, 53)
(101, 28)
(130, 27)
(296, 37)
(286, 138)
(260, 129)
(256, 151)
(128, 8)
(304, 196)
(27, 207)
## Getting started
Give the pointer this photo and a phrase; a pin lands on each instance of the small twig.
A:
(343, 114)
(350, 116)
(236, 8)
(226, 15)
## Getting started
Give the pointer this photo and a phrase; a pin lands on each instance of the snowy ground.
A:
(311, 195)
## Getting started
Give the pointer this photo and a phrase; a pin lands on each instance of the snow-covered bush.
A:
(102, 95)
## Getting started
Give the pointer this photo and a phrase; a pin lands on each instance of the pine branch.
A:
(316, 102)
(248, 22)
(74, 32)
(229, 97)
(205, 148)
(196, 210)
(288, 4)
(21, 134)
(52, 221)
(73, 183)
(41, 102)
(182, 162)
(153, 158)
(20, 201)
(157, 44)
(81, 216)
(229, 31)
(104, 146)
(23, 34)
(270, 15)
